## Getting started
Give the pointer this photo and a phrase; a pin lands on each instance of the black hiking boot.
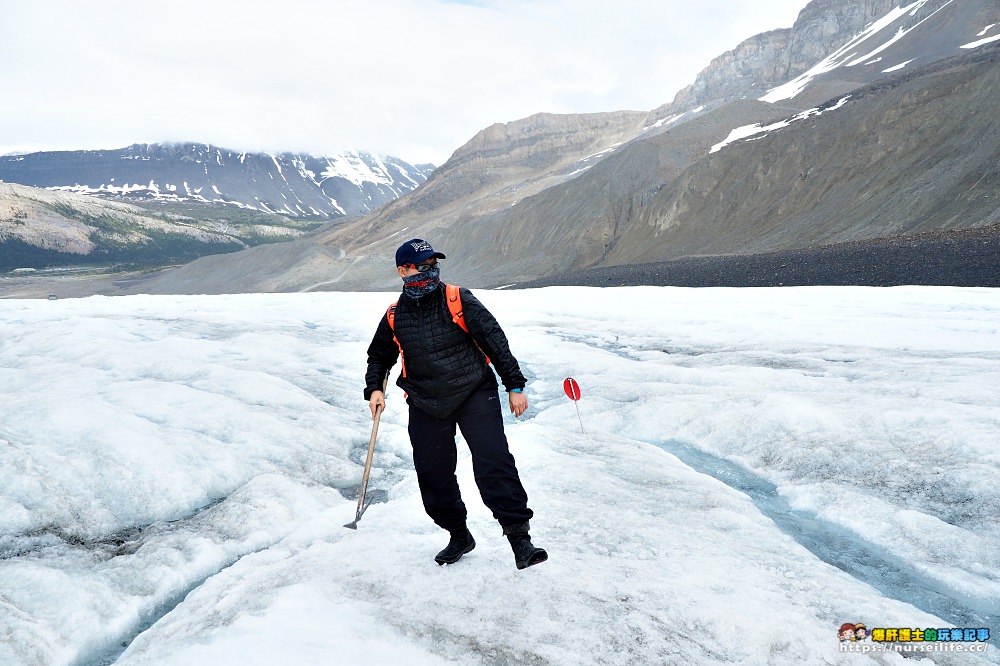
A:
(525, 553)
(460, 544)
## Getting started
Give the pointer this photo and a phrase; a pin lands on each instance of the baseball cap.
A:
(415, 251)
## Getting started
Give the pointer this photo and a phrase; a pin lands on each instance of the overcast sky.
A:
(411, 78)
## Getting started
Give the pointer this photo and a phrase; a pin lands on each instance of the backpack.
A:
(453, 296)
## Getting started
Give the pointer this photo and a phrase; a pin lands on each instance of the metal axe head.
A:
(353, 525)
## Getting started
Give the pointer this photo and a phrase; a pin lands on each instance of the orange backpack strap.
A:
(453, 295)
(390, 315)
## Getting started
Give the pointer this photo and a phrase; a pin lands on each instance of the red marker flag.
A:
(573, 391)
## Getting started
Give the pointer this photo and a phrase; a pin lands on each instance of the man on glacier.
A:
(447, 340)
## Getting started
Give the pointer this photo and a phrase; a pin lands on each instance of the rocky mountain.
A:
(910, 154)
(772, 58)
(866, 120)
(294, 185)
(43, 228)
(501, 165)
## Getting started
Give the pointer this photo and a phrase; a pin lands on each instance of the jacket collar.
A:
(414, 303)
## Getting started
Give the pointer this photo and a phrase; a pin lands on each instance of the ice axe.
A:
(368, 463)
(572, 390)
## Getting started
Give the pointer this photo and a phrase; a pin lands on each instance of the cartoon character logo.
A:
(860, 632)
(847, 632)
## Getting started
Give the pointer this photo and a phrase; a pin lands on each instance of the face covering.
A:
(421, 284)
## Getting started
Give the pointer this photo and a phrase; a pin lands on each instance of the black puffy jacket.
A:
(443, 364)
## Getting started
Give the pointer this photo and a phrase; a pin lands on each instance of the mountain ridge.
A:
(292, 184)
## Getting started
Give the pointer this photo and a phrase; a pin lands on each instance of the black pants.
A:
(435, 457)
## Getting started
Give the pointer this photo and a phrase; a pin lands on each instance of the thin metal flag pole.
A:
(572, 389)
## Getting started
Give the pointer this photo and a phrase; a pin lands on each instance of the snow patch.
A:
(902, 32)
(666, 121)
(981, 42)
(747, 131)
(898, 67)
(353, 167)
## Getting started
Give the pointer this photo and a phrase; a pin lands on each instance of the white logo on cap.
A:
(422, 246)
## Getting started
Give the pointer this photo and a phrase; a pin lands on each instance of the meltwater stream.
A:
(840, 548)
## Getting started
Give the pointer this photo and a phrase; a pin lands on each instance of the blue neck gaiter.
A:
(419, 285)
